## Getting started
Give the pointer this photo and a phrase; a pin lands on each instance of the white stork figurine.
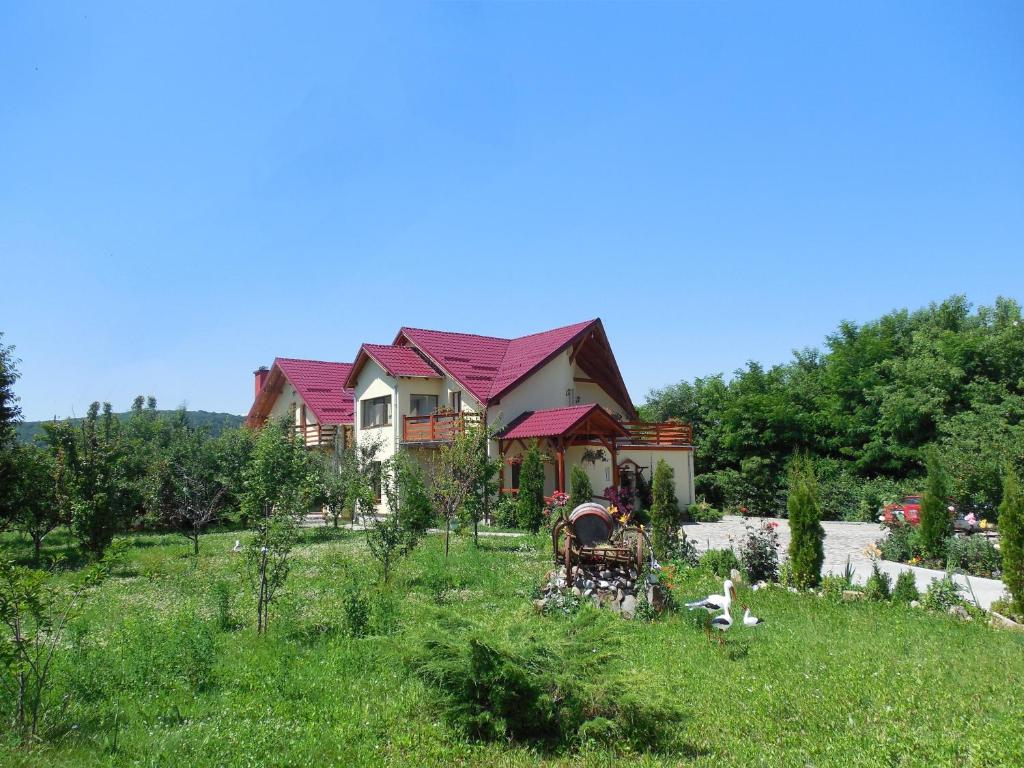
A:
(749, 620)
(716, 603)
(721, 623)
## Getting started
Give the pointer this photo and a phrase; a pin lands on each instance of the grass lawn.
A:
(164, 668)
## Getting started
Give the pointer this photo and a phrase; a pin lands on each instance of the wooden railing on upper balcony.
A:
(317, 435)
(664, 433)
(436, 427)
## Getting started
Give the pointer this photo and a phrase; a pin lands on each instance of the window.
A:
(515, 476)
(456, 401)
(375, 479)
(377, 412)
(422, 405)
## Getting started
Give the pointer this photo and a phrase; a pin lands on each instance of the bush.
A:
(504, 513)
(702, 512)
(512, 683)
(833, 586)
(759, 553)
(683, 551)
(942, 594)
(901, 544)
(906, 588)
(807, 537)
(974, 554)
(579, 483)
(879, 584)
(1011, 537)
(936, 523)
(664, 509)
(356, 607)
(720, 562)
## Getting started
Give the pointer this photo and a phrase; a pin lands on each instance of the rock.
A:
(632, 573)
(605, 574)
(760, 585)
(850, 595)
(588, 592)
(960, 612)
(619, 594)
(915, 603)
(577, 591)
(615, 606)
(736, 577)
(1004, 622)
(603, 584)
(628, 583)
(629, 606)
(560, 583)
(588, 584)
(540, 604)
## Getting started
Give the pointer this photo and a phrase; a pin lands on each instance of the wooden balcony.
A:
(657, 434)
(317, 435)
(438, 427)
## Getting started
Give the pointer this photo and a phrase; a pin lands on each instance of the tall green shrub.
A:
(664, 509)
(807, 537)
(580, 489)
(936, 524)
(1011, 536)
(530, 502)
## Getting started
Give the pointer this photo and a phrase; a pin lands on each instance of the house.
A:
(561, 387)
(312, 395)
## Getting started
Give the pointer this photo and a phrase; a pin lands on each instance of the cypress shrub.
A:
(1011, 536)
(580, 489)
(530, 502)
(807, 537)
(906, 588)
(664, 509)
(936, 524)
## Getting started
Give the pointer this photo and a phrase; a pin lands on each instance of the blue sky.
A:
(187, 191)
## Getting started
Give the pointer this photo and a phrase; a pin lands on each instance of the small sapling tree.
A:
(455, 475)
(936, 521)
(580, 491)
(664, 510)
(277, 491)
(530, 501)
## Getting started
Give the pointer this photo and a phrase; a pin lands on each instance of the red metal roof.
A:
(488, 366)
(321, 385)
(400, 361)
(559, 421)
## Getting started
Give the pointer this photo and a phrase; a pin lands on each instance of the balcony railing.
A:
(664, 433)
(437, 427)
(317, 435)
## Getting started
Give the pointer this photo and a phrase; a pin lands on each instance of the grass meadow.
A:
(163, 667)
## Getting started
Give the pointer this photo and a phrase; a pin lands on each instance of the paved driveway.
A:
(844, 542)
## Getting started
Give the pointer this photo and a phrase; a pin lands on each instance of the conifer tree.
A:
(807, 537)
(936, 523)
(1011, 536)
(530, 501)
(664, 509)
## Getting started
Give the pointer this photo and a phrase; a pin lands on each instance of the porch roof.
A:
(561, 422)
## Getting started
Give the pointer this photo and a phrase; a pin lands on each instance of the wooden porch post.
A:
(561, 464)
(615, 465)
(501, 466)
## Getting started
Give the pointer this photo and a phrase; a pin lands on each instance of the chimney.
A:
(261, 374)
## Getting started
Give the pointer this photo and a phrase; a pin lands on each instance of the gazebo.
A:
(561, 428)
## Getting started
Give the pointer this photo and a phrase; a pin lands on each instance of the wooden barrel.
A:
(591, 523)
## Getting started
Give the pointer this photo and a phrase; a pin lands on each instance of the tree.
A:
(807, 537)
(664, 509)
(530, 500)
(97, 492)
(35, 480)
(1011, 536)
(406, 492)
(485, 484)
(936, 522)
(455, 475)
(10, 414)
(389, 541)
(199, 491)
(277, 489)
(581, 491)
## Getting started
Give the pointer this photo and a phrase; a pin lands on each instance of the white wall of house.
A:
(286, 401)
(373, 381)
(599, 473)
(680, 461)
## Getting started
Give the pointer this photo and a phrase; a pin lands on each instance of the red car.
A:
(909, 509)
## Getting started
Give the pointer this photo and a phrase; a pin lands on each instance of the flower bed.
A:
(975, 555)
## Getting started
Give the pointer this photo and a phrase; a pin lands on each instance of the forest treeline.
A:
(866, 409)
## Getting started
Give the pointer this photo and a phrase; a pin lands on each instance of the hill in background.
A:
(215, 422)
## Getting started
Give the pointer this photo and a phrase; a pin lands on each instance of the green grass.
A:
(151, 678)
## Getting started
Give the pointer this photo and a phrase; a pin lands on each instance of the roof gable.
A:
(320, 384)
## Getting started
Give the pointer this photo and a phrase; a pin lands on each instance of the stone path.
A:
(844, 542)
